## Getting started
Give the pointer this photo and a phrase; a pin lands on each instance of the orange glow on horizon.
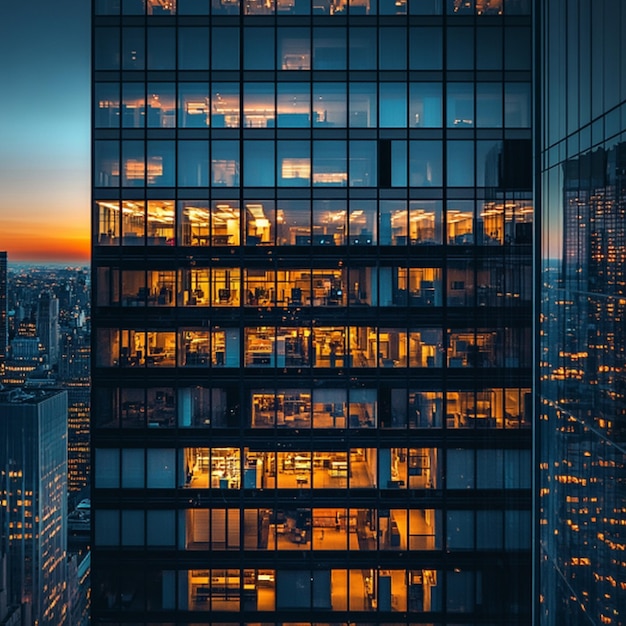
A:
(55, 247)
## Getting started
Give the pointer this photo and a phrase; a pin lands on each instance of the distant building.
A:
(33, 462)
(48, 325)
(25, 355)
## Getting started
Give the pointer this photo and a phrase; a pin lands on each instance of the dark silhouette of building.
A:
(312, 312)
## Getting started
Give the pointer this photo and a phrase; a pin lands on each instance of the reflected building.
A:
(312, 312)
(583, 344)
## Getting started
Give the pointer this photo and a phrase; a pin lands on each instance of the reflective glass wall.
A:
(312, 230)
(583, 407)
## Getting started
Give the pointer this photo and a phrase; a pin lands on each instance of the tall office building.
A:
(4, 319)
(312, 311)
(33, 466)
(48, 325)
(583, 373)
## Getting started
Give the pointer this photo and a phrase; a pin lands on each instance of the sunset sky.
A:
(44, 130)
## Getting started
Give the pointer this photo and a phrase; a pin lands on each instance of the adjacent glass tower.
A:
(312, 230)
(583, 420)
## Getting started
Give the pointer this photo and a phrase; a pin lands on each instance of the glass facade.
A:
(312, 249)
(583, 447)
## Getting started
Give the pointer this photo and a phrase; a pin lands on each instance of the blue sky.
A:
(44, 129)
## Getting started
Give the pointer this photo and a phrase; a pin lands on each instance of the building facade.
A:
(312, 229)
(33, 463)
(583, 346)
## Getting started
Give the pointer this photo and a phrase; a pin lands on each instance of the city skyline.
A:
(44, 126)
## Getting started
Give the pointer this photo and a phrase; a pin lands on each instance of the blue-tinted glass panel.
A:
(489, 105)
(489, 48)
(517, 107)
(193, 48)
(293, 163)
(517, 7)
(460, 105)
(258, 163)
(258, 105)
(329, 104)
(161, 163)
(161, 101)
(293, 103)
(225, 105)
(392, 7)
(392, 53)
(517, 48)
(425, 7)
(193, 163)
(329, 164)
(460, 48)
(224, 163)
(193, 7)
(399, 154)
(329, 48)
(106, 168)
(425, 106)
(393, 218)
(363, 169)
(106, 48)
(133, 164)
(224, 48)
(107, 7)
(392, 105)
(425, 48)
(193, 105)
(133, 49)
(133, 7)
(363, 48)
(425, 164)
(293, 49)
(363, 105)
(107, 105)
(133, 105)
(161, 48)
(258, 48)
(460, 164)
(488, 163)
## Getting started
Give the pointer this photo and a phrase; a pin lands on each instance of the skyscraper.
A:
(48, 325)
(312, 311)
(33, 468)
(583, 344)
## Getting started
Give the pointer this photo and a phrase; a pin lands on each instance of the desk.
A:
(220, 240)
